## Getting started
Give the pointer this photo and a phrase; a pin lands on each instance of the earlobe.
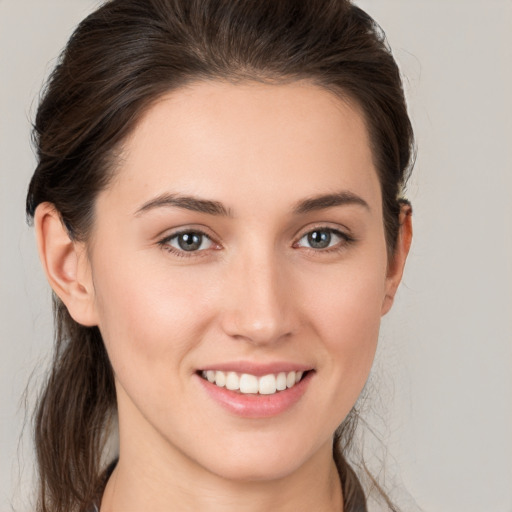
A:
(66, 264)
(396, 265)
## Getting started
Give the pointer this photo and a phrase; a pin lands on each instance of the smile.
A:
(246, 383)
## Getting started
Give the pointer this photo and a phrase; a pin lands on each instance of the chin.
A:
(241, 471)
(260, 461)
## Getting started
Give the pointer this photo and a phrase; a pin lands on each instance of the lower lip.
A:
(255, 405)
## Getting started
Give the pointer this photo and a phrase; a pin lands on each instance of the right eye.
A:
(187, 241)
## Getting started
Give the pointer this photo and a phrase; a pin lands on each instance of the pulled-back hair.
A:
(121, 59)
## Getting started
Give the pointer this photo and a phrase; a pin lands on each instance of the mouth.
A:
(248, 384)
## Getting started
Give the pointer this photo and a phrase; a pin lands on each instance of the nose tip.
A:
(257, 330)
(260, 309)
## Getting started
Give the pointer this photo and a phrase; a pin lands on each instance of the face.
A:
(241, 244)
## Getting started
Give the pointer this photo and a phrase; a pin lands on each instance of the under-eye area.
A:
(246, 383)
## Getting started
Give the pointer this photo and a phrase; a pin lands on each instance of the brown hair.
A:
(121, 59)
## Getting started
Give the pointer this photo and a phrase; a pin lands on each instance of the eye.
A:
(322, 238)
(188, 241)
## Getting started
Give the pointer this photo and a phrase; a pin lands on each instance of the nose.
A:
(260, 300)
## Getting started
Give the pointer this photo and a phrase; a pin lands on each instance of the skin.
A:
(255, 291)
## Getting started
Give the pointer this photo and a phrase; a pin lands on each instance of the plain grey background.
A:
(444, 368)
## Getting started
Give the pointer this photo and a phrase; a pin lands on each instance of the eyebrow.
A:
(210, 207)
(192, 203)
(328, 201)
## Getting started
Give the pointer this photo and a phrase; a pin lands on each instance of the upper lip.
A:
(257, 369)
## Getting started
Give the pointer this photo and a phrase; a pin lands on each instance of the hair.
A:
(118, 62)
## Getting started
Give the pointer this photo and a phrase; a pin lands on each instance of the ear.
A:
(397, 261)
(66, 265)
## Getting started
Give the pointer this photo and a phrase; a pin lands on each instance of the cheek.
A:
(145, 316)
(346, 317)
(349, 299)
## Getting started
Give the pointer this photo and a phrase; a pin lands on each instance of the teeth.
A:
(250, 384)
(232, 381)
(220, 379)
(281, 381)
(267, 385)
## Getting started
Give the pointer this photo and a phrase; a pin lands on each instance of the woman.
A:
(218, 210)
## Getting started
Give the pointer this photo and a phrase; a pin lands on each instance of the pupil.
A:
(189, 241)
(319, 239)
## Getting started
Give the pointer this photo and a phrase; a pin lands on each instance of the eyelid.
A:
(187, 228)
(327, 226)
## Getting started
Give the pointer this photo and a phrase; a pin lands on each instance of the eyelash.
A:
(339, 246)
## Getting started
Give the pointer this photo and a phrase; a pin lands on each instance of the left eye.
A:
(321, 239)
(190, 241)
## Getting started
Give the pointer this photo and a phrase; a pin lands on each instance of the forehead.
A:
(240, 143)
